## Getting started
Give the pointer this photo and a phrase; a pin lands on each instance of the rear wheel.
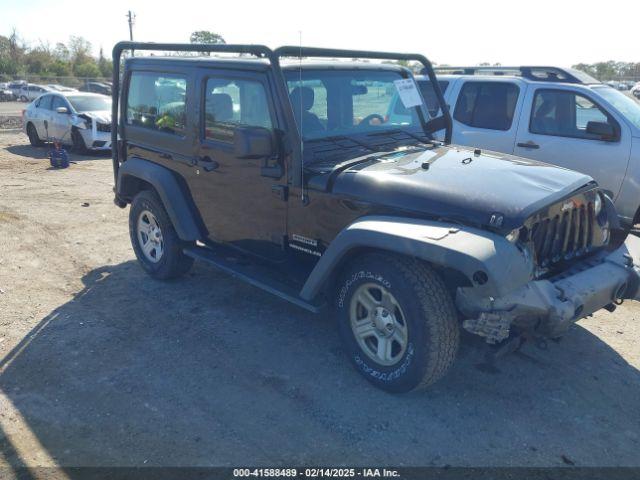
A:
(397, 321)
(32, 133)
(155, 242)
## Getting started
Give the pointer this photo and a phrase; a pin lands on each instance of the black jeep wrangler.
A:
(291, 176)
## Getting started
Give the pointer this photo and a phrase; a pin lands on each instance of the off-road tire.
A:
(32, 133)
(78, 142)
(173, 263)
(433, 329)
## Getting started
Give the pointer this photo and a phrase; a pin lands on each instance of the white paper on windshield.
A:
(408, 92)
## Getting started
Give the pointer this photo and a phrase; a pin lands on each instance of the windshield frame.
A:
(106, 99)
(619, 101)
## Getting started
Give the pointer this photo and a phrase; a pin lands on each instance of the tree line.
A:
(71, 59)
(611, 70)
(75, 59)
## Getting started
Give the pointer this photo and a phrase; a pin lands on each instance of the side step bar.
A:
(254, 274)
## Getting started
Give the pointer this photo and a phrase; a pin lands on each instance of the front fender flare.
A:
(467, 250)
(166, 185)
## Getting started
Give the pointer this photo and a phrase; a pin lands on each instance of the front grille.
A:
(103, 127)
(564, 236)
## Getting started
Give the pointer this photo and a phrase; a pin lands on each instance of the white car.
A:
(31, 91)
(16, 86)
(80, 119)
(61, 88)
(635, 90)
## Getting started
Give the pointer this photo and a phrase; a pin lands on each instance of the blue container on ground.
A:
(59, 158)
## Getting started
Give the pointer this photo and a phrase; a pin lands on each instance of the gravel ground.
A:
(103, 366)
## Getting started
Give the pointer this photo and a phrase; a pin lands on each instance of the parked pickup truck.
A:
(558, 116)
(288, 175)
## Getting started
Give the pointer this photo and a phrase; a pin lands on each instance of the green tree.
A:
(39, 59)
(60, 68)
(105, 65)
(8, 66)
(17, 47)
(205, 36)
(61, 52)
(79, 50)
(88, 69)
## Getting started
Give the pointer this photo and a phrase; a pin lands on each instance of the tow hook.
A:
(506, 347)
(610, 308)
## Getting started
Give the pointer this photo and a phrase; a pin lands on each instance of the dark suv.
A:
(292, 177)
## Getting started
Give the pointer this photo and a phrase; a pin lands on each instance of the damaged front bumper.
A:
(549, 307)
(96, 140)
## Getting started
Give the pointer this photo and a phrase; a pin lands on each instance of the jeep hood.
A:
(456, 184)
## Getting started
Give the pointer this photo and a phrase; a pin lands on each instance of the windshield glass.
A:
(86, 103)
(328, 103)
(625, 105)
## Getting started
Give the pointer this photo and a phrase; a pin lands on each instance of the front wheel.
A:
(32, 133)
(397, 321)
(155, 242)
(78, 142)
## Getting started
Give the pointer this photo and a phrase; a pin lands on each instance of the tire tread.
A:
(439, 312)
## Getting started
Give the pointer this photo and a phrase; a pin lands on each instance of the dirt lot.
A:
(103, 366)
(13, 109)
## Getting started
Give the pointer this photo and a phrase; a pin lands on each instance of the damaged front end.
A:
(576, 270)
(95, 129)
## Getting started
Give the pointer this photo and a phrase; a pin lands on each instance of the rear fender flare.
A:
(166, 185)
(467, 250)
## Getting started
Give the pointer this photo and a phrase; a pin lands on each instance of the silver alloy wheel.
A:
(150, 236)
(378, 324)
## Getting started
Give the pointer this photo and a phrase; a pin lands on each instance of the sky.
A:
(455, 32)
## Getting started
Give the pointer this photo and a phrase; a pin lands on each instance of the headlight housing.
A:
(513, 235)
(597, 204)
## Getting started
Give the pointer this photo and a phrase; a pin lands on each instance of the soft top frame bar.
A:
(261, 51)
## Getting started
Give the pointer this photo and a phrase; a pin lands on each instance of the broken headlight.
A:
(513, 235)
(601, 217)
(597, 204)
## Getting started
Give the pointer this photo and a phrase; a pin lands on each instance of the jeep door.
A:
(158, 97)
(553, 129)
(242, 201)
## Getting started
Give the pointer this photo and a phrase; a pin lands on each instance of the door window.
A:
(489, 105)
(44, 102)
(58, 102)
(232, 103)
(565, 114)
(157, 101)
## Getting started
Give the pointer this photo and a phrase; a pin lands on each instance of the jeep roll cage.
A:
(118, 111)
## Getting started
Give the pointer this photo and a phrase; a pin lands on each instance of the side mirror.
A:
(62, 110)
(253, 142)
(603, 130)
